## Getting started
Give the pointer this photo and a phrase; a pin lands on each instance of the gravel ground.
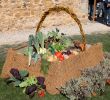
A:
(22, 36)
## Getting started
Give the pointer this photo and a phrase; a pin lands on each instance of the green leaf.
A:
(28, 82)
(67, 42)
(45, 66)
(58, 47)
(36, 57)
(16, 83)
(31, 40)
(52, 34)
(26, 52)
(30, 51)
(40, 39)
(51, 49)
(23, 73)
(23, 84)
(36, 43)
(24, 90)
(13, 79)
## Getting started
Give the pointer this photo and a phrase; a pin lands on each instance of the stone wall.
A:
(25, 14)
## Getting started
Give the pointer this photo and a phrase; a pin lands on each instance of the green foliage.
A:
(28, 82)
(16, 82)
(63, 42)
(35, 57)
(40, 39)
(25, 52)
(30, 52)
(58, 46)
(35, 42)
(55, 35)
(66, 41)
(23, 73)
(30, 85)
(45, 66)
(52, 49)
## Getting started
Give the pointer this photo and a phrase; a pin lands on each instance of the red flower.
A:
(59, 55)
(41, 93)
(61, 58)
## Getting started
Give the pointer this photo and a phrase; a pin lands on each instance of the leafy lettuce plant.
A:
(17, 76)
(33, 84)
(28, 81)
(30, 84)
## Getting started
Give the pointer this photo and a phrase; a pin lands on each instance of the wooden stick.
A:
(94, 12)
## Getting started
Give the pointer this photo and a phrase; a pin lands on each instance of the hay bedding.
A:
(59, 72)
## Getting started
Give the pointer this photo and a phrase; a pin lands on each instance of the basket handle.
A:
(67, 10)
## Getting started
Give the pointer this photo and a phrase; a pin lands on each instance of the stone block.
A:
(24, 10)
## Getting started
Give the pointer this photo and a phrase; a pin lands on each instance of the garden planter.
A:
(59, 72)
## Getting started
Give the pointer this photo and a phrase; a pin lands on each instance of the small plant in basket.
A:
(54, 47)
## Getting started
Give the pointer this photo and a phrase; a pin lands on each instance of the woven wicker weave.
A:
(59, 72)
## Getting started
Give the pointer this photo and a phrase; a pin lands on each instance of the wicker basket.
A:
(59, 72)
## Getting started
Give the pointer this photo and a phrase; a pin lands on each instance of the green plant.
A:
(59, 40)
(66, 41)
(28, 81)
(35, 43)
(30, 84)
(45, 66)
(58, 46)
(55, 34)
(17, 76)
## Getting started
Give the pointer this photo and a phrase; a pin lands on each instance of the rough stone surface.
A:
(25, 14)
